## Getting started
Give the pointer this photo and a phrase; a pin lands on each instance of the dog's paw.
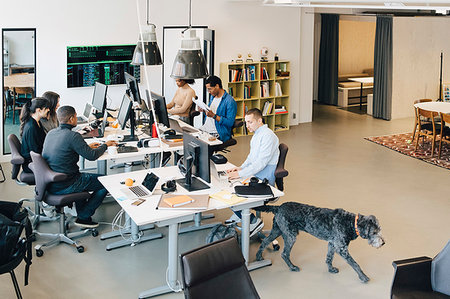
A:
(364, 278)
(333, 270)
(295, 269)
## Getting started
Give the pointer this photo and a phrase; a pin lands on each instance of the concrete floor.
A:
(330, 165)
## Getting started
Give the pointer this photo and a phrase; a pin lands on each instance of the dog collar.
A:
(356, 225)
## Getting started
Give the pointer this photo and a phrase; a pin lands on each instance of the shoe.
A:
(233, 219)
(88, 223)
(70, 211)
(256, 227)
(48, 210)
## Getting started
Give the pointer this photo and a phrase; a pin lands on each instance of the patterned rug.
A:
(403, 143)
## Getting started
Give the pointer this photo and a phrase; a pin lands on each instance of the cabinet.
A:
(263, 85)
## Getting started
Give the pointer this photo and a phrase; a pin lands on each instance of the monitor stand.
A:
(195, 184)
(128, 138)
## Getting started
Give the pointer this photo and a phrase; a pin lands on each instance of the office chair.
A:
(192, 114)
(21, 95)
(422, 277)
(230, 142)
(25, 179)
(218, 271)
(44, 176)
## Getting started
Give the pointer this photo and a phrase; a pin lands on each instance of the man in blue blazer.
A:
(220, 118)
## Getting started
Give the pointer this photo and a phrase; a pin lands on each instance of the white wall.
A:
(241, 27)
(21, 47)
(417, 44)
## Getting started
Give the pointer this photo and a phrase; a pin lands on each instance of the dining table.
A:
(19, 80)
(443, 107)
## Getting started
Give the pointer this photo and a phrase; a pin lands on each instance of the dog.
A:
(338, 227)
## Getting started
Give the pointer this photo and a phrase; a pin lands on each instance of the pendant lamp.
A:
(147, 46)
(189, 62)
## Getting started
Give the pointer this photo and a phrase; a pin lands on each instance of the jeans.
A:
(86, 182)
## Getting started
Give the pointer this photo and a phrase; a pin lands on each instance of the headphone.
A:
(169, 186)
(254, 182)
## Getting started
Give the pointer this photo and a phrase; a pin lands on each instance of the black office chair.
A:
(422, 277)
(230, 142)
(25, 179)
(44, 176)
(192, 114)
(218, 271)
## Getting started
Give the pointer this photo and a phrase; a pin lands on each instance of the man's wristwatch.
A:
(214, 117)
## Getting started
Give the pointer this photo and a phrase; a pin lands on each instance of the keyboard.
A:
(127, 149)
(139, 191)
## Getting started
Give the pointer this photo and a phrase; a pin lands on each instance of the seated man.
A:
(220, 118)
(262, 160)
(62, 148)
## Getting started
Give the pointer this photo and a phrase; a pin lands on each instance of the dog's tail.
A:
(267, 209)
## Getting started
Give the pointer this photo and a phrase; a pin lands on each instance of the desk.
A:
(443, 107)
(147, 213)
(362, 80)
(19, 80)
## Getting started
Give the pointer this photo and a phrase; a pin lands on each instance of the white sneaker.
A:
(256, 227)
(48, 210)
(233, 219)
(70, 211)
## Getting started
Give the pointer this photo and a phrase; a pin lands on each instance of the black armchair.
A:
(422, 277)
(218, 271)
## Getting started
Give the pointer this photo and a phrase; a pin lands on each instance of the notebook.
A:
(199, 202)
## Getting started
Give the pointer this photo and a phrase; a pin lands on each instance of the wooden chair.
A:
(445, 131)
(415, 111)
(425, 130)
(18, 100)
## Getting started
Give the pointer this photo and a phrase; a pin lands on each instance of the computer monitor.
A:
(99, 98)
(124, 111)
(133, 88)
(159, 103)
(196, 162)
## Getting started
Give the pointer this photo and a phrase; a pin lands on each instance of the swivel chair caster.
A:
(80, 249)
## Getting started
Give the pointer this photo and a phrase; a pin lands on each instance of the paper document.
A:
(200, 104)
(227, 197)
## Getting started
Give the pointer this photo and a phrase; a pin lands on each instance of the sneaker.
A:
(256, 227)
(88, 223)
(233, 219)
(48, 210)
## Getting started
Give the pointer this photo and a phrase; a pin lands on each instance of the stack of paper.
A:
(227, 197)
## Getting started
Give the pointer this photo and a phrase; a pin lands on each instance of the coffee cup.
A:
(112, 150)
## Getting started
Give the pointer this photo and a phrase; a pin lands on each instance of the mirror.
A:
(19, 80)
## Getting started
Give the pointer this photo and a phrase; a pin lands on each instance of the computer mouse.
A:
(170, 132)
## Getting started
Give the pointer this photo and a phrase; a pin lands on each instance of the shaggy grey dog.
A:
(337, 227)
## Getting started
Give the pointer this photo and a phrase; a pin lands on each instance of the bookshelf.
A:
(263, 85)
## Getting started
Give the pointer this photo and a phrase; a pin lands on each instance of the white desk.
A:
(147, 213)
(362, 80)
(443, 107)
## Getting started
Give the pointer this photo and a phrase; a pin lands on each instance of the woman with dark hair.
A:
(182, 100)
(51, 121)
(31, 130)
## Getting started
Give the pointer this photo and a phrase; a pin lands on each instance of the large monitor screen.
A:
(105, 64)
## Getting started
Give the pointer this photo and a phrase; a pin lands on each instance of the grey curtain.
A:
(382, 87)
(328, 60)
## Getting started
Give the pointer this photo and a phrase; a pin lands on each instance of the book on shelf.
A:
(230, 91)
(281, 112)
(234, 75)
(280, 109)
(278, 91)
(265, 90)
(264, 74)
(267, 109)
(247, 92)
(251, 73)
(279, 127)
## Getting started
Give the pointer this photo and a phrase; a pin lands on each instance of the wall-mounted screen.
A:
(105, 64)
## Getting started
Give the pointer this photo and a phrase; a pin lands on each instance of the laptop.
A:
(218, 174)
(97, 132)
(144, 189)
(84, 119)
(176, 126)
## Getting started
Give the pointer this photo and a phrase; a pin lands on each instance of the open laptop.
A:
(218, 174)
(144, 189)
(97, 132)
(84, 118)
(176, 126)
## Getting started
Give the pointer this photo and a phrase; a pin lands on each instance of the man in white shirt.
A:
(261, 161)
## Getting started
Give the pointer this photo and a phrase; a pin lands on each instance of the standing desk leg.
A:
(245, 243)
(101, 167)
(173, 266)
(198, 224)
(134, 239)
(360, 97)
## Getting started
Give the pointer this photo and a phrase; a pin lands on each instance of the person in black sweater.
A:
(62, 150)
(31, 131)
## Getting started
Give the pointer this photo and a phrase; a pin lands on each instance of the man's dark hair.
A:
(255, 112)
(64, 113)
(213, 81)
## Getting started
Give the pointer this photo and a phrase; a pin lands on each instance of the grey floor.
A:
(330, 165)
